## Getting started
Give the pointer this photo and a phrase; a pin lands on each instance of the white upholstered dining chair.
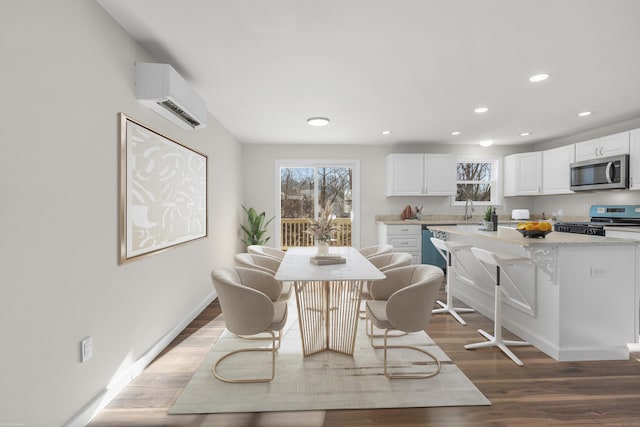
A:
(374, 250)
(248, 308)
(266, 251)
(389, 261)
(404, 303)
(266, 264)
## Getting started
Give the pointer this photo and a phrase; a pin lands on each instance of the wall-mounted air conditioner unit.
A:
(161, 88)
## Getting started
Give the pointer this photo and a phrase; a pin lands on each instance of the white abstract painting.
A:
(165, 191)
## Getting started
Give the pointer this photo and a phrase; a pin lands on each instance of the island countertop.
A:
(512, 236)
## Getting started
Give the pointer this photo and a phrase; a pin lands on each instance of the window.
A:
(305, 186)
(476, 181)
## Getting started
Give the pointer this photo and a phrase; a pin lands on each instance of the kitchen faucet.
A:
(468, 213)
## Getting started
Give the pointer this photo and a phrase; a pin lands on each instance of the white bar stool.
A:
(499, 261)
(449, 250)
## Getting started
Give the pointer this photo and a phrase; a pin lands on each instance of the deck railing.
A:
(292, 233)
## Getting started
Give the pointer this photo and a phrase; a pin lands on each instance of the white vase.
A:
(323, 248)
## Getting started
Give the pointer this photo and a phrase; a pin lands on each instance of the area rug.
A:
(323, 381)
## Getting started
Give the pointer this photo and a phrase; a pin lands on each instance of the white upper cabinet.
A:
(421, 174)
(556, 169)
(405, 174)
(610, 145)
(523, 174)
(440, 174)
(634, 159)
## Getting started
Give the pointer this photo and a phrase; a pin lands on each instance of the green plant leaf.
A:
(256, 228)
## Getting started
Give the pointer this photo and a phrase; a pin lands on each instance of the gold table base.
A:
(328, 314)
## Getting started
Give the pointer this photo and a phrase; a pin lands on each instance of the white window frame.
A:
(354, 164)
(496, 192)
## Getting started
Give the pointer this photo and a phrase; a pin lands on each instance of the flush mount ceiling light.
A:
(481, 109)
(539, 77)
(486, 143)
(386, 132)
(585, 114)
(455, 133)
(318, 121)
(525, 134)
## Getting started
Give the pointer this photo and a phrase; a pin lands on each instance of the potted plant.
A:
(486, 223)
(256, 228)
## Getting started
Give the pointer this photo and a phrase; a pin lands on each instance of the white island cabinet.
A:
(577, 298)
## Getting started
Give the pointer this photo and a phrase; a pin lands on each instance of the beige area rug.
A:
(325, 380)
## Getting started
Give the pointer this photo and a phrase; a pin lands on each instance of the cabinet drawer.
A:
(401, 243)
(403, 230)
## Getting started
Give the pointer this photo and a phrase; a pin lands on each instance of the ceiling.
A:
(418, 68)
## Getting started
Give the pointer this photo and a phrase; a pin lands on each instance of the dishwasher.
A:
(430, 254)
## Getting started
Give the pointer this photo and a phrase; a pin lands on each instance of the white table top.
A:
(296, 266)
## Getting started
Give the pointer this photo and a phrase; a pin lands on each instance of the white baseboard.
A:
(111, 390)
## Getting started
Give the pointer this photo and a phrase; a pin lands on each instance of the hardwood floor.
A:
(542, 393)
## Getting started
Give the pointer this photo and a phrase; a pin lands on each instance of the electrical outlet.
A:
(598, 272)
(86, 349)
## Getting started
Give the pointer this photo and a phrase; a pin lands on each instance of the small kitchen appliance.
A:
(520, 214)
(601, 216)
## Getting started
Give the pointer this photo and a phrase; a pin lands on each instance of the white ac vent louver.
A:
(162, 89)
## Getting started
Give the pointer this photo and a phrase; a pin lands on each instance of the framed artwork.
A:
(163, 192)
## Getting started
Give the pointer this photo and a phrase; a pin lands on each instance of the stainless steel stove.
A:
(601, 216)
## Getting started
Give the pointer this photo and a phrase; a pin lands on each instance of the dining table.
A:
(327, 296)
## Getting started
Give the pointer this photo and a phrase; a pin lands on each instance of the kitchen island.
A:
(577, 299)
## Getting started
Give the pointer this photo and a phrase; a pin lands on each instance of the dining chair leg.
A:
(272, 349)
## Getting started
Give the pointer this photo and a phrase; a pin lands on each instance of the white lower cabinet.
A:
(403, 238)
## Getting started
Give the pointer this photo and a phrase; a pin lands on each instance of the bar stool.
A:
(449, 250)
(500, 261)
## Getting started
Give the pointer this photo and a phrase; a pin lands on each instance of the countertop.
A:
(512, 236)
(424, 222)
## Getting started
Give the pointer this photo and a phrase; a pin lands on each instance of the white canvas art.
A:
(163, 192)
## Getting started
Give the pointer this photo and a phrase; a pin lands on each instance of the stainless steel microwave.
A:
(600, 174)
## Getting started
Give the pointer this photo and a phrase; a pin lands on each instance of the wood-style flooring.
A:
(542, 393)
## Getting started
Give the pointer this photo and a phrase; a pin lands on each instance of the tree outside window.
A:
(474, 181)
(298, 198)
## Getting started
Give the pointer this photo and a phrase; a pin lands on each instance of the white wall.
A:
(67, 70)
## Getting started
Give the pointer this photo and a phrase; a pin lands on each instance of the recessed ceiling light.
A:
(486, 143)
(386, 132)
(539, 77)
(318, 121)
(481, 109)
(455, 133)
(525, 134)
(584, 114)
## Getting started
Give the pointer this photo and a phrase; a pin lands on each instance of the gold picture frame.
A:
(163, 192)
